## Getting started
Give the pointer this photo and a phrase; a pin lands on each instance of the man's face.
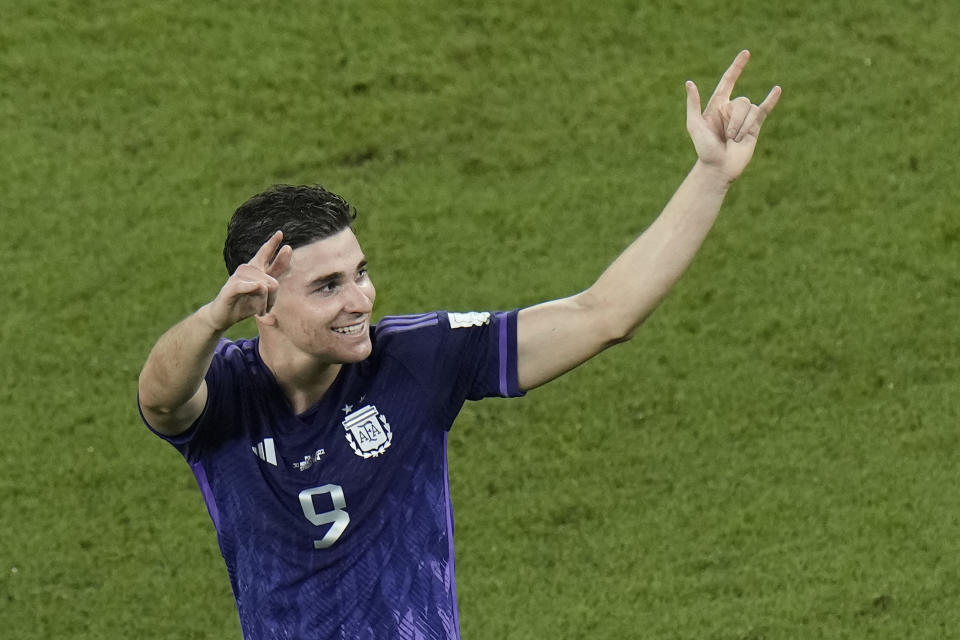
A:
(324, 300)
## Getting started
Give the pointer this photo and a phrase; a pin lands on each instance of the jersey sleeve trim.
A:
(507, 343)
(399, 324)
(179, 439)
(206, 490)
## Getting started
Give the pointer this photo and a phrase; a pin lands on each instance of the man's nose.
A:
(358, 297)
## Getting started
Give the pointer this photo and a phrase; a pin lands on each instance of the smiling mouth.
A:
(351, 330)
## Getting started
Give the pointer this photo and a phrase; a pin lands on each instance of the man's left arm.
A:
(556, 336)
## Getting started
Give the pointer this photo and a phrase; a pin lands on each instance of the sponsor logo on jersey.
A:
(308, 461)
(266, 451)
(367, 431)
(469, 319)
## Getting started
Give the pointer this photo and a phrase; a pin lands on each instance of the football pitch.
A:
(773, 456)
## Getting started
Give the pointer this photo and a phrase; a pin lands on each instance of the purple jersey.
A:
(336, 523)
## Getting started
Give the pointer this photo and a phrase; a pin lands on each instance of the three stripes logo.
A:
(266, 452)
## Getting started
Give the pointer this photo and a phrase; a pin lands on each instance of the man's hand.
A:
(725, 134)
(172, 390)
(557, 336)
(252, 288)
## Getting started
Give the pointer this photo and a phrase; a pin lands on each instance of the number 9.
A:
(337, 517)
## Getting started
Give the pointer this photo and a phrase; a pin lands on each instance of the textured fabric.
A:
(336, 523)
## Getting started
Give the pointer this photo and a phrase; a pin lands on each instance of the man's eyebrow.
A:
(331, 277)
(335, 276)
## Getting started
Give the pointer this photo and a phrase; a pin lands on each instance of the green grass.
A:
(771, 457)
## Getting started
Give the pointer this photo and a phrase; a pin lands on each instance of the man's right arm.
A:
(172, 391)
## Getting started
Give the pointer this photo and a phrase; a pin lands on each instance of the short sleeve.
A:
(456, 356)
(191, 442)
(482, 347)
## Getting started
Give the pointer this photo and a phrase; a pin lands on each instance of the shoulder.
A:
(236, 358)
(471, 353)
(434, 322)
(425, 328)
(436, 331)
(404, 324)
(392, 331)
(237, 382)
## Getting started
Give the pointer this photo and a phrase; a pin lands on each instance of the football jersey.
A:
(336, 523)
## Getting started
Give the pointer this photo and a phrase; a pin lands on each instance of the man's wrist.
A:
(205, 315)
(712, 176)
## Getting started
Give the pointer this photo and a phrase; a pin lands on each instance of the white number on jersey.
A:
(336, 517)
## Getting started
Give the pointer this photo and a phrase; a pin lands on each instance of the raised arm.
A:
(172, 391)
(556, 336)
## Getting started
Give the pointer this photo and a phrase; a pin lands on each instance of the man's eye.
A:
(362, 274)
(326, 289)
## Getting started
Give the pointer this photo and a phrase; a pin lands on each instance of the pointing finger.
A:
(725, 87)
(262, 259)
(280, 262)
(770, 102)
(765, 107)
(693, 102)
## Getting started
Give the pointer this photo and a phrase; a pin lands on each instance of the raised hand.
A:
(252, 288)
(725, 133)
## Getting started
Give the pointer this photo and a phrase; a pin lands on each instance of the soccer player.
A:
(320, 446)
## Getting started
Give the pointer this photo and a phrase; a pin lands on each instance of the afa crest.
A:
(368, 432)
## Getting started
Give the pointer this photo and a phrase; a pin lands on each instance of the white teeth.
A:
(351, 330)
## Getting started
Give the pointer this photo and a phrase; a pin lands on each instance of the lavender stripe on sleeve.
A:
(207, 491)
(451, 566)
(503, 321)
(406, 320)
(395, 328)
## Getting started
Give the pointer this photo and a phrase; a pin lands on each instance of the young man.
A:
(320, 446)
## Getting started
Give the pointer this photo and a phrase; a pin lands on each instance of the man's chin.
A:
(357, 353)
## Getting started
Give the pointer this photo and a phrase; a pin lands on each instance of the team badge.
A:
(368, 432)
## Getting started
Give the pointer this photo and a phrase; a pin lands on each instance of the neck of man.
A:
(303, 378)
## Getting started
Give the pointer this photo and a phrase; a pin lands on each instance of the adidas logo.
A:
(266, 452)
